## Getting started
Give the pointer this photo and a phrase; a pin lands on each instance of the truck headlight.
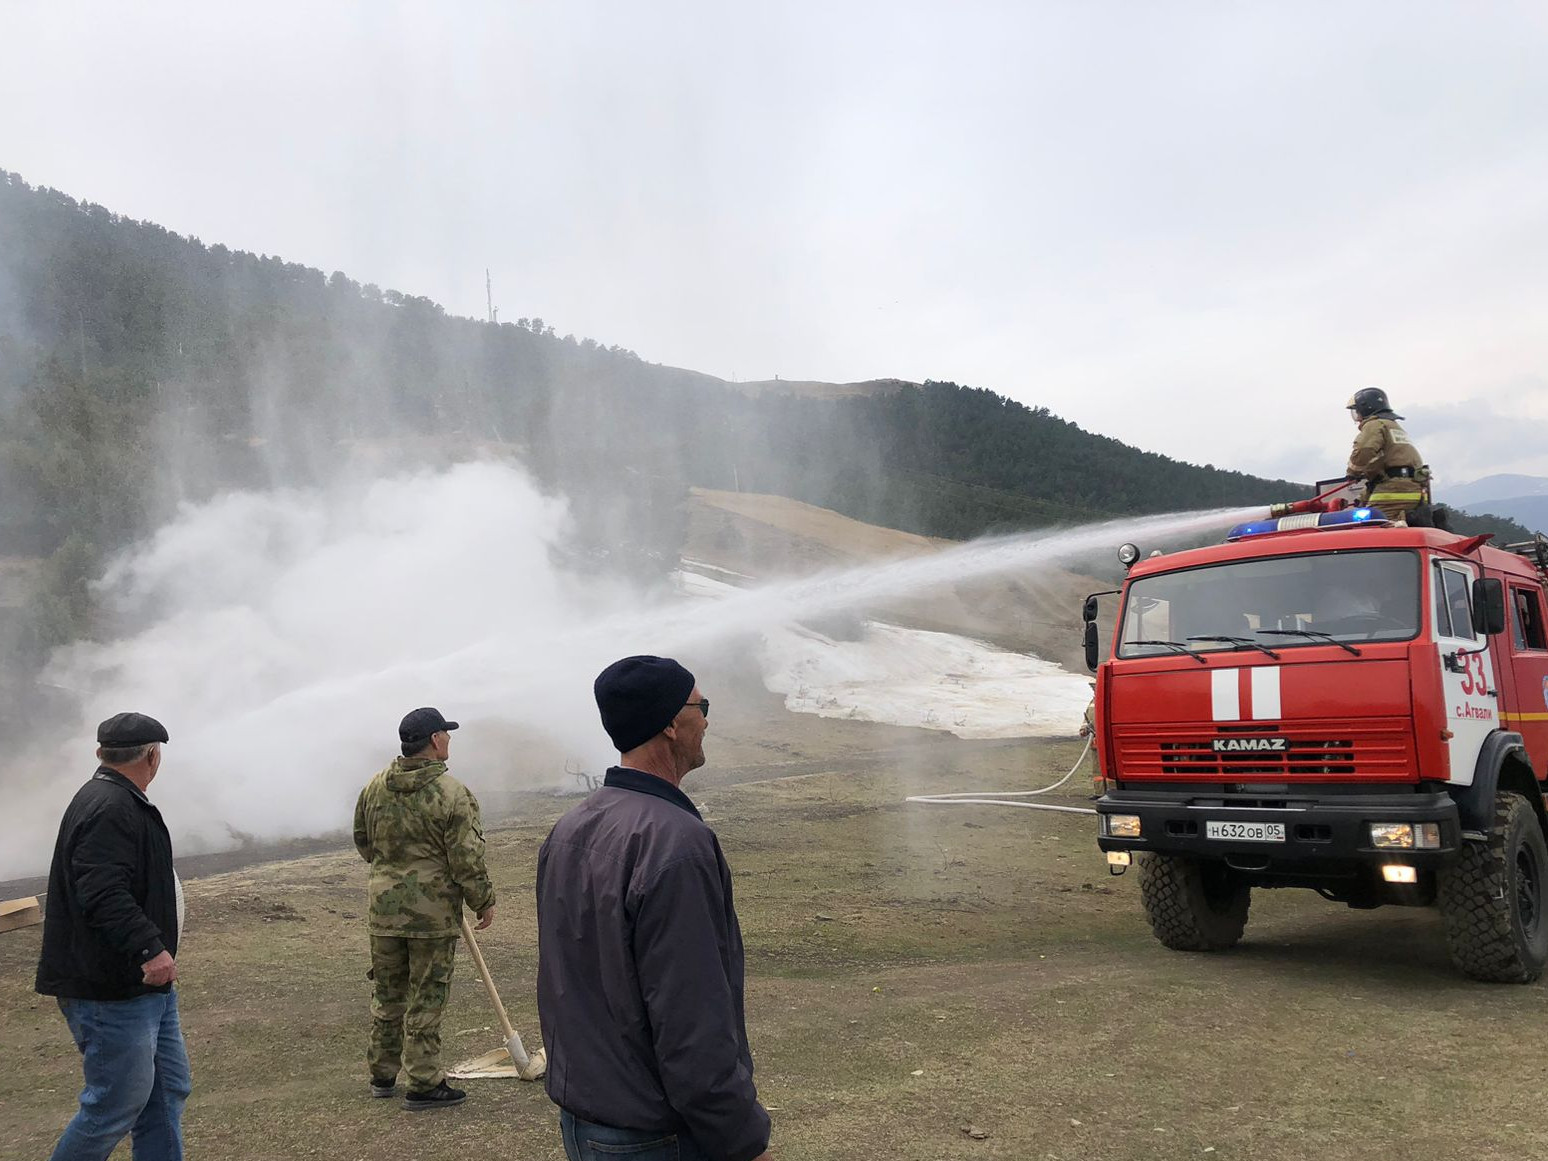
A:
(1406, 836)
(1392, 835)
(1121, 825)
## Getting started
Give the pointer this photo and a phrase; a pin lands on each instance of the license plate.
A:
(1246, 832)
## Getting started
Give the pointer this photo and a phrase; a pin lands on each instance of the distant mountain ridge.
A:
(114, 325)
(1521, 498)
(816, 389)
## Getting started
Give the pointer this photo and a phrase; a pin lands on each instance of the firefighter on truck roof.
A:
(1395, 476)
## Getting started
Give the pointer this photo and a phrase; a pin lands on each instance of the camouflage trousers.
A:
(412, 979)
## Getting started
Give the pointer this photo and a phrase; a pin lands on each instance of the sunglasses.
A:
(702, 705)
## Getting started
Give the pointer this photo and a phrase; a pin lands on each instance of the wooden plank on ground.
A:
(16, 913)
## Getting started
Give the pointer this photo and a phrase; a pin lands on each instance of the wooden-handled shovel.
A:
(527, 1067)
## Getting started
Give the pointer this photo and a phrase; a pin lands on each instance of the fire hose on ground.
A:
(1007, 797)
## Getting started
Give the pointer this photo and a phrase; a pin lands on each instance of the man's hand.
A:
(161, 969)
(485, 918)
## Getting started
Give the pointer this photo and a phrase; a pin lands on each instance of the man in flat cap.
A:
(640, 962)
(420, 830)
(109, 952)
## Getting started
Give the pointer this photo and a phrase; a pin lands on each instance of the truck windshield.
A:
(1333, 596)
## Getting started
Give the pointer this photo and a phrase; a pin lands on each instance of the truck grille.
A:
(1368, 750)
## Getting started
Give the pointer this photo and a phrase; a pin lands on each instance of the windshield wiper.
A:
(1174, 646)
(1239, 642)
(1328, 637)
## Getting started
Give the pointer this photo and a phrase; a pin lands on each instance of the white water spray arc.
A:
(281, 635)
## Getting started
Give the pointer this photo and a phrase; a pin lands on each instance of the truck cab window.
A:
(1442, 610)
(1453, 591)
(1526, 619)
(1152, 618)
(1368, 595)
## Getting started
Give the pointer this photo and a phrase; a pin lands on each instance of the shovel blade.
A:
(535, 1068)
(527, 1067)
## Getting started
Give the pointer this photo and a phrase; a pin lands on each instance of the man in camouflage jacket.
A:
(419, 828)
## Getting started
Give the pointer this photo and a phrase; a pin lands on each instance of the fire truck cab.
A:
(1325, 701)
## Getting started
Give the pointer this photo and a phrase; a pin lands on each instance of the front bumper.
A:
(1327, 834)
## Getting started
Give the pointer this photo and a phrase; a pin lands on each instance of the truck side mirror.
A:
(1488, 606)
(1090, 638)
(1088, 611)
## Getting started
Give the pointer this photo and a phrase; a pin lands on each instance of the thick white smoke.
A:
(281, 635)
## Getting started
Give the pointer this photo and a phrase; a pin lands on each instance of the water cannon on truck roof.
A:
(1331, 702)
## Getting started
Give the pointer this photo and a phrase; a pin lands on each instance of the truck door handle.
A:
(1455, 662)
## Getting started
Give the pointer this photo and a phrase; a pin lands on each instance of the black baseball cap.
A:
(418, 725)
(121, 731)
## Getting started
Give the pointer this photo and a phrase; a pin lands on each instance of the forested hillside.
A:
(139, 368)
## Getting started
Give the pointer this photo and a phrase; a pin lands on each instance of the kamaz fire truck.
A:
(1330, 702)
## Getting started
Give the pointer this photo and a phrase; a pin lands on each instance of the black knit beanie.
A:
(639, 697)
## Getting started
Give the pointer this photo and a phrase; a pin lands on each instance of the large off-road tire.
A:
(1193, 905)
(1492, 898)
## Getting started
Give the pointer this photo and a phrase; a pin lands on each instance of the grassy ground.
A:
(917, 975)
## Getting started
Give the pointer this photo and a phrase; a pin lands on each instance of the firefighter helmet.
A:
(1368, 401)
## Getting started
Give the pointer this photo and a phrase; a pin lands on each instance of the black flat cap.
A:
(418, 725)
(121, 731)
(638, 698)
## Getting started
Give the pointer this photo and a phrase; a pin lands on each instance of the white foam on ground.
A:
(913, 677)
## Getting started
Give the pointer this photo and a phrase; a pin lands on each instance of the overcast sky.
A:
(1195, 227)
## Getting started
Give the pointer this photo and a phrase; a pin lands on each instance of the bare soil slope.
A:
(769, 536)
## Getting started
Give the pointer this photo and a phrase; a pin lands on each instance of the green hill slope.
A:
(140, 368)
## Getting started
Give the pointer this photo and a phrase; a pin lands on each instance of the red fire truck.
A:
(1327, 701)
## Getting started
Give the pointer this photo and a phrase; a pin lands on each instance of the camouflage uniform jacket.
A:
(419, 828)
(1382, 444)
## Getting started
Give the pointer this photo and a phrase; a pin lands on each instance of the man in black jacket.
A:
(109, 952)
(640, 963)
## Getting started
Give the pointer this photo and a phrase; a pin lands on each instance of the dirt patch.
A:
(839, 536)
(259, 908)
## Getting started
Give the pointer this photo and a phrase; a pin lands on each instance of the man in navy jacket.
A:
(640, 962)
(109, 952)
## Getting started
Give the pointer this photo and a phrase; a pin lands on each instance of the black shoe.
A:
(442, 1096)
(383, 1089)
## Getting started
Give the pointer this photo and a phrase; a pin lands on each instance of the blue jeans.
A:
(588, 1141)
(136, 1078)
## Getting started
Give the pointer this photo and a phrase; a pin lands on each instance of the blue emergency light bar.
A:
(1348, 518)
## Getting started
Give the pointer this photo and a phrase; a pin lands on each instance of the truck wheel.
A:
(1193, 905)
(1492, 898)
